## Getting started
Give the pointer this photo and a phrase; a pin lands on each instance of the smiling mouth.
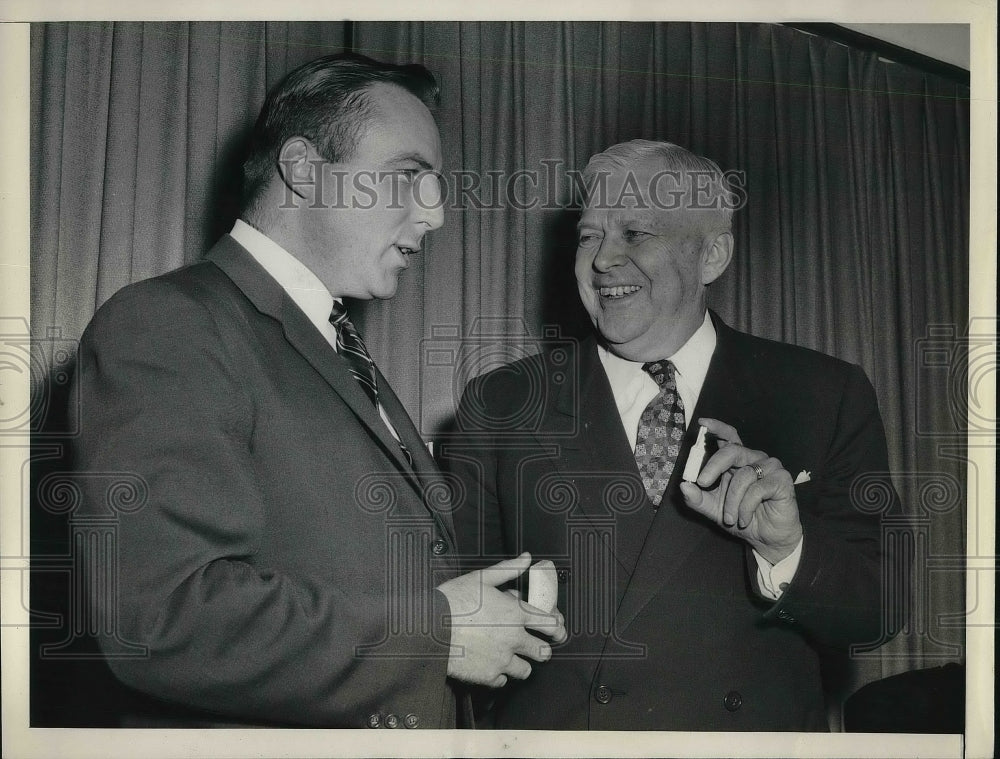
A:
(618, 292)
(406, 250)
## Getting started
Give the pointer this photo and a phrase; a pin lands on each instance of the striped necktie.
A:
(352, 347)
(661, 428)
(359, 361)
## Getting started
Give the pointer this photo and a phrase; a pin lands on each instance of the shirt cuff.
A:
(772, 579)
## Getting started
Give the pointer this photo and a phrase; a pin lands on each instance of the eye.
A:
(635, 235)
(587, 238)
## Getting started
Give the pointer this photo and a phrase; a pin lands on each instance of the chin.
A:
(619, 331)
(631, 345)
(626, 351)
(388, 290)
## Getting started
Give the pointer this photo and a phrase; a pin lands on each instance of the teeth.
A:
(618, 291)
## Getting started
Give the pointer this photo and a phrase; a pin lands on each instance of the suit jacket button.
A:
(562, 575)
(391, 721)
(603, 694)
(375, 720)
(439, 547)
(411, 721)
(732, 701)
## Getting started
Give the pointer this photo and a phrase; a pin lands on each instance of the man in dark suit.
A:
(707, 605)
(290, 556)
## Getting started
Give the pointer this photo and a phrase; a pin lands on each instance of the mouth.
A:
(617, 292)
(405, 251)
(408, 250)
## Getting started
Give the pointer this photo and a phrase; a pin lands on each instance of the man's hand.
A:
(489, 628)
(761, 511)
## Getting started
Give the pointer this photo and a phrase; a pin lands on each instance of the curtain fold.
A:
(854, 239)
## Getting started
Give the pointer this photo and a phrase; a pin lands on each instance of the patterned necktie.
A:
(661, 428)
(352, 347)
(359, 361)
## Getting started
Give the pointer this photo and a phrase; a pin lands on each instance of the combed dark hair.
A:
(326, 102)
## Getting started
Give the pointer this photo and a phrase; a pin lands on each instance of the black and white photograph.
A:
(570, 386)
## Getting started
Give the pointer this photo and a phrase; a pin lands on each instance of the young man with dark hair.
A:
(293, 562)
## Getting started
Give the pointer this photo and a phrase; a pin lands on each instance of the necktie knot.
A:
(662, 372)
(338, 315)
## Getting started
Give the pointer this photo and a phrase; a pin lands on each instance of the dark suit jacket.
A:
(667, 627)
(281, 560)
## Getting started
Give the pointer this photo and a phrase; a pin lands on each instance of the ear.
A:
(715, 257)
(295, 165)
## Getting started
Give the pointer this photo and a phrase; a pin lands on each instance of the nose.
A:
(608, 256)
(434, 218)
(428, 202)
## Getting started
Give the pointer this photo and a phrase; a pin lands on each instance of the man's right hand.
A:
(489, 628)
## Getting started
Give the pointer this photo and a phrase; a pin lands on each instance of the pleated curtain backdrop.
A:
(854, 239)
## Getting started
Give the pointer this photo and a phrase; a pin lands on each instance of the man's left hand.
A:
(760, 510)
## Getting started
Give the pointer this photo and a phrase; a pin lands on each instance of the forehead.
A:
(635, 177)
(643, 193)
(635, 188)
(399, 128)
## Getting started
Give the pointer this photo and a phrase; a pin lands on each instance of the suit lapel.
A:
(729, 390)
(601, 462)
(270, 299)
(600, 436)
(433, 485)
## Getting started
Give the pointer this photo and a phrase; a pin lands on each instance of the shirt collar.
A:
(690, 361)
(294, 277)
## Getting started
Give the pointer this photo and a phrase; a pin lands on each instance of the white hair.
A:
(675, 160)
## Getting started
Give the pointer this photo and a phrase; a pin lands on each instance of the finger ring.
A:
(758, 471)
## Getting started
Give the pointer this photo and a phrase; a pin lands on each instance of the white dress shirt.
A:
(633, 388)
(296, 279)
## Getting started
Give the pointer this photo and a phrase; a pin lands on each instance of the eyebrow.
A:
(414, 157)
(623, 219)
(619, 219)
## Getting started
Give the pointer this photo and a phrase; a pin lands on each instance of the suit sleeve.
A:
(835, 597)
(163, 398)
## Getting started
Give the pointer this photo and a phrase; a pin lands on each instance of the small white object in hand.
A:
(696, 458)
(802, 478)
(543, 585)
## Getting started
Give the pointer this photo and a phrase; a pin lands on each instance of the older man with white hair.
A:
(692, 484)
